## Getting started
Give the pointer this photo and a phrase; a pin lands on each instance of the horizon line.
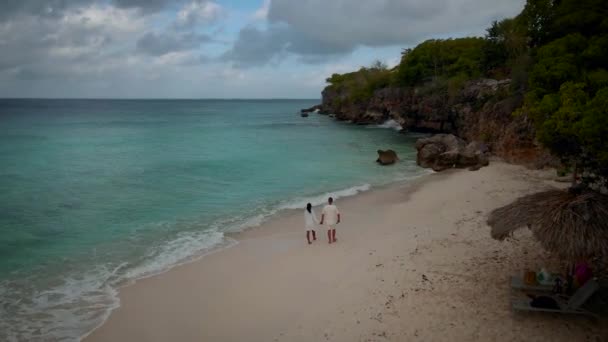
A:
(160, 98)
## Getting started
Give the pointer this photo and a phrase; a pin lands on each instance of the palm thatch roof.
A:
(571, 224)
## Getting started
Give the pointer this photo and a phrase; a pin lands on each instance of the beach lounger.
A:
(517, 283)
(571, 306)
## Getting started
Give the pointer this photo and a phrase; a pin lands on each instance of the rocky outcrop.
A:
(311, 109)
(445, 151)
(479, 110)
(387, 157)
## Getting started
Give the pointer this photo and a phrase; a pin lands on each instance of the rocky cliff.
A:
(480, 110)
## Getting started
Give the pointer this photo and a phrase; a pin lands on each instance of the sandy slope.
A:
(412, 263)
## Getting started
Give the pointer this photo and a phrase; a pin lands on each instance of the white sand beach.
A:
(413, 262)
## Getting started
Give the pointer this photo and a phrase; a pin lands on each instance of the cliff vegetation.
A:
(535, 83)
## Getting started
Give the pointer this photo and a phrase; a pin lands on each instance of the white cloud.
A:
(82, 42)
(177, 58)
(262, 12)
(158, 44)
(105, 17)
(315, 29)
(199, 13)
(127, 47)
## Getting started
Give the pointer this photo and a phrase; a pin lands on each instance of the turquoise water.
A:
(97, 192)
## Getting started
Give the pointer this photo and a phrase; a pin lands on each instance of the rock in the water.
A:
(314, 108)
(387, 157)
(445, 151)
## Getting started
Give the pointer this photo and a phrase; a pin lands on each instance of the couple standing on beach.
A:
(330, 216)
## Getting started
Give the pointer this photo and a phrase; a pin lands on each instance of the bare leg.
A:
(333, 234)
(314, 235)
(329, 235)
(308, 236)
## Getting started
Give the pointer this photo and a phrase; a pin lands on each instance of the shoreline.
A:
(215, 297)
(232, 238)
(409, 185)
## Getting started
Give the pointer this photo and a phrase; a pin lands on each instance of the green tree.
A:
(539, 16)
(557, 62)
(360, 85)
(555, 52)
(568, 84)
(506, 42)
(436, 58)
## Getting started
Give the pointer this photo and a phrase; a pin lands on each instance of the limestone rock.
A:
(315, 108)
(445, 151)
(387, 157)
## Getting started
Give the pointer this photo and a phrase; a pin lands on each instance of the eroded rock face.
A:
(482, 110)
(387, 157)
(311, 109)
(445, 151)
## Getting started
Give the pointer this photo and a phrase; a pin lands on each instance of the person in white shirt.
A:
(331, 217)
(310, 219)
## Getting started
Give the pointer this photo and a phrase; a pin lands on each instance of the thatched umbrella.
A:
(572, 224)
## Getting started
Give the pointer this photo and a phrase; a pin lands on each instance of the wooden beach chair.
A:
(571, 306)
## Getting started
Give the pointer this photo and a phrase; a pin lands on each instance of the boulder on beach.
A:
(387, 157)
(445, 151)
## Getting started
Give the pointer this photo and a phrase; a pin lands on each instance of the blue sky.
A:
(215, 49)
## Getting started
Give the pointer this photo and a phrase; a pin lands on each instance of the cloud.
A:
(49, 8)
(154, 47)
(157, 44)
(83, 38)
(180, 58)
(199, 13)
(262, 12)
(144, 5)
(88, 40)
(183, 34)
(312, 29)
(255, 47)
(56, 8)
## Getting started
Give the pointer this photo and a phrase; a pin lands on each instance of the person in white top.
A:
(331, 217)
(310, 220)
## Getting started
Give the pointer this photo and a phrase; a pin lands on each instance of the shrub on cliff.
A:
(568, 86)
(360, 85)
(556, 54)
(438, 58)
(506, 51)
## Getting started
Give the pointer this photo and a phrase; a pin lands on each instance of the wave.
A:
(391, 124)
(300, 203)
(237, 224)
(58, 313)
(83, 301)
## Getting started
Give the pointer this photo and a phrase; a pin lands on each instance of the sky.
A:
(215, 48)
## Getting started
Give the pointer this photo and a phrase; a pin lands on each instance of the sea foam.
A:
(300, 203)
(391, 124)
(83, 301)
(154, 184)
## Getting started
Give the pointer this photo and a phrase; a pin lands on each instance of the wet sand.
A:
(413, 262)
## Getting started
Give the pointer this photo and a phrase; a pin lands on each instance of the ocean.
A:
(97, 193)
